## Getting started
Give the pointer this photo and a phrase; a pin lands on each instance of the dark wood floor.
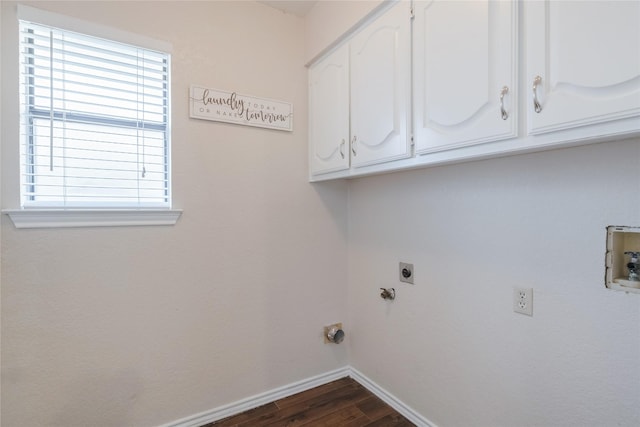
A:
(340, 403)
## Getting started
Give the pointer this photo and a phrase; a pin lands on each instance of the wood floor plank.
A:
(313, 409)
(309, 394)
(249, 415)
(341, 403)
(393, 420)
(358, 422)
(374, 408)
(349, 416)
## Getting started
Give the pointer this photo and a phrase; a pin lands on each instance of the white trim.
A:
(259, 399)
(390, 399)
(53, 218)
(243, 405)
(39, 16)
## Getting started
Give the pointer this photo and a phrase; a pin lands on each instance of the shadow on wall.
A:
(334, 196)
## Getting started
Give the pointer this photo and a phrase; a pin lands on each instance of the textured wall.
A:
(450, 346)
(145, 325)
(329, 19)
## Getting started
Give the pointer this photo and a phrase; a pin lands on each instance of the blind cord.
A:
(51, 100)
(88, 157)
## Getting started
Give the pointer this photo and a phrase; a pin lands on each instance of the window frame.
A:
(44, 216)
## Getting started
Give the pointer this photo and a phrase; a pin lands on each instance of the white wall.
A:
(145, 325)
(1, 56)
(450, 346)
(329, 19)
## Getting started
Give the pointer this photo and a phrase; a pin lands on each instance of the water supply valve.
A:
(622, 259)
(633, 266)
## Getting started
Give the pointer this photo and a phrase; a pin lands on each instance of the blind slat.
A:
(108, 73)
(41, 33)
(41, 77)
(94, 119)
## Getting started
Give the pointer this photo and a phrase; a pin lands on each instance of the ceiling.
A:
(296, 7)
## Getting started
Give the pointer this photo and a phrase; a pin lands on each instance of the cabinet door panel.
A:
(380, 87)
(464, 54)
(329, 113)
(587, 55)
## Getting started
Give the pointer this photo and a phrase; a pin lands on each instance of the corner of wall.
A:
(329, 21)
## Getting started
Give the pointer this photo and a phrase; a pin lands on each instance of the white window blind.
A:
(94, 122)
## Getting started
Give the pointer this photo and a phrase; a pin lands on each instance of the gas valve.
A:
(388, 293)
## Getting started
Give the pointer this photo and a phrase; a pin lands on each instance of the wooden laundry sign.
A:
(232, 107)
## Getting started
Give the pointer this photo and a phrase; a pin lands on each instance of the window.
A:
(94, 122)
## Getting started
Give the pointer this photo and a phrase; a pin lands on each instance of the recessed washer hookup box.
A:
(622, 265)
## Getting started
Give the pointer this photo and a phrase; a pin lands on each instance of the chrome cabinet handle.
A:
(536, 104)
(353, 145)
(504, 113)
(342, 148)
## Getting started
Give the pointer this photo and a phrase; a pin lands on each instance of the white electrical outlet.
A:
(523, 301)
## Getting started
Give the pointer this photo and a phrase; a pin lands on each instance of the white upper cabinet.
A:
(329, 113)
(464, 73)
(582, 63)
(380, 89)
(474, 79)
(359, 97)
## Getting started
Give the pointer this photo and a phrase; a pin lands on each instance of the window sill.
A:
(56, 218)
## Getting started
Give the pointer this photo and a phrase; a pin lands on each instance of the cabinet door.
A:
(380, 88)
(464, 73)
(329, 113)
(586, 58)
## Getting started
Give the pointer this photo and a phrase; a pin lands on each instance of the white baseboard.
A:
(259, 399)
(240, 406)
(390, 399)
